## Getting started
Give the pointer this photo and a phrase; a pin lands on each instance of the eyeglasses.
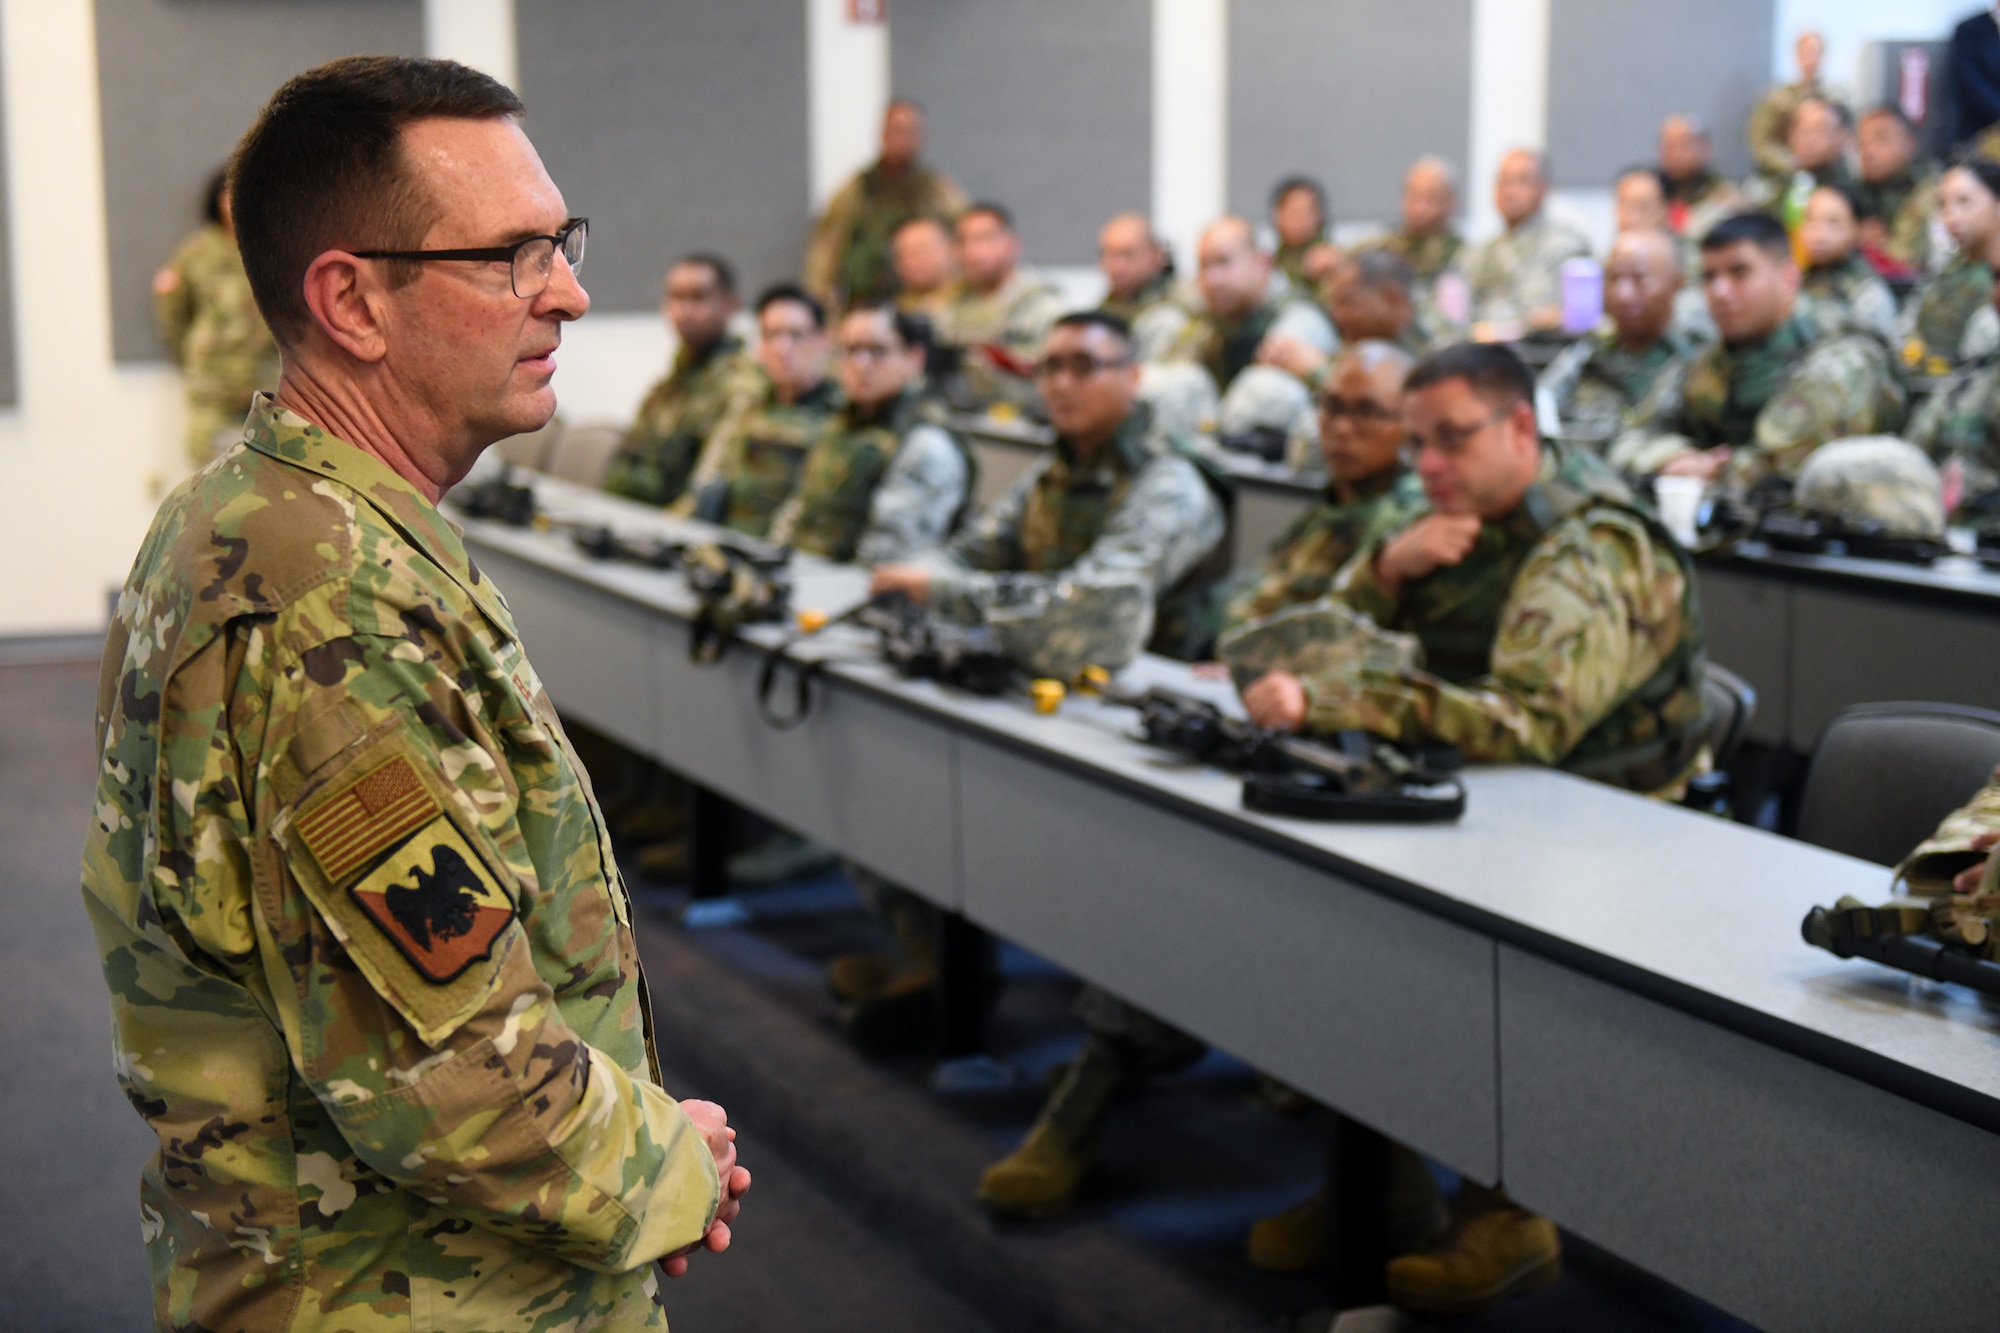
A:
(1079, 366)
(1451, 440)
(530, 260)
(1356, 409)
(868, 352)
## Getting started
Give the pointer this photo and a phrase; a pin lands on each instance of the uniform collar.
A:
(289, 438)
(1128, 448)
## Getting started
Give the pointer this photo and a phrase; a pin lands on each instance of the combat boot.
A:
(1040, 1178)
(854, 977)
(1491, 1254)
(1294, 1241)
(900, 1019)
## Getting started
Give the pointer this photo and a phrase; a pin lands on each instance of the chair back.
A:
(1732, 702)
(1883, 775)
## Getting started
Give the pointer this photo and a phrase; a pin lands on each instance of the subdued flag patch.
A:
(436, 901)
(368, 816)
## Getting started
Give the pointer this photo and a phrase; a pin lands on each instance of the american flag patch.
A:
(367, 817)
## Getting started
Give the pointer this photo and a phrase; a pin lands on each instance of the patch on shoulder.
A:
(366, 817)
(436, 901)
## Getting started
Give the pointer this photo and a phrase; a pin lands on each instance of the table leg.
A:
(966, 967)
(712, 834)
(1357, 1213)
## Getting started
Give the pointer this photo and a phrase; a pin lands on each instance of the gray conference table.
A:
(1813, 633)
(1598, 998)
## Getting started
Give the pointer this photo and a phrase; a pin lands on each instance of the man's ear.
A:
(346, 300)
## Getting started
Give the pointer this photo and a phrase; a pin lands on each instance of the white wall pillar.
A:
(479, 33)
(1190, 120)
(847, 90)
(1510, 96)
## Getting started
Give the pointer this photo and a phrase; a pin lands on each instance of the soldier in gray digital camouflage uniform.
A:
(1517, 276)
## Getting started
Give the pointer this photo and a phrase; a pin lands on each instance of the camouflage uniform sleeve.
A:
(173, 309)
(1843, 387)
(1982, 335)
(821, 264)
(1157, 329)
(1655, 429)
(1768, 122)
(1594, 611)
(1874, 309)
(1910, 231)
(1933, 863)
(411, 1003)
(1307, 324)
(912, 509)
(1557, 384)
(1166, 524)
(1028, 323)
(1275, 583)
(992, 540)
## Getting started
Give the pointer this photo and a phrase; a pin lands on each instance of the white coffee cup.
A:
(1680, 505)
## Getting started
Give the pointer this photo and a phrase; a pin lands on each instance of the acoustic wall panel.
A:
(1350, 92)
(1616, 70)
(179, 82)
(675, 126)
(1046, 108)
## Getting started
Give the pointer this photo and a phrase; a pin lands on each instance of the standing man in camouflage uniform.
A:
(1897, 193)
(1428, 243)
(926, 261)
(1000, 314)
(372, 971)
(751, 466)
(1116, 497)
(202, 301)
(1559, 624)
(710, 385)
(1517, 276)
(1771, 119)
(848, 260)
(1777, 386)
(1139, 285)
(885, 479)
(1609, 371)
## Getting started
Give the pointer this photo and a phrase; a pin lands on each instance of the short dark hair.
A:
(1382, 269)
(998, 212)
(211, 196)
(323, 167)
(1114, 325)
(1291, 183)
(724, 271)
(1893, 112)
(1833, 104)
(1846, 193)
(1492, 370)
(912, 330)
(797, 295)
(1983, 170)
(1759, 229)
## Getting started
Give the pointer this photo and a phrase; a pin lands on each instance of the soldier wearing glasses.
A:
(373, 978)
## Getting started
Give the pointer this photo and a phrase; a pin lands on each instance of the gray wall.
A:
(1616, 69)
(1348, 91)
(674, 125)
(1046, 108)
(180, 81)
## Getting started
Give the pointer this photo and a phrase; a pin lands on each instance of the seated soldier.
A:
(1959, 427)
(1596, 380)
(1368, 295)
(710, 382)
(1368, 490)
(999, 315)
(1816, 140)
(1426, 241)
(1697, 196)
(1559, 625)
(926, 265)
(884, 480)
(1777, 385)
(1897, 193)
(1837, 277)
(752, 464)
(1517, 276)
(1950, 322)
(1299, 220)
(1139, 285)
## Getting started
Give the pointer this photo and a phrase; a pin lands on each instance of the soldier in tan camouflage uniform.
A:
(999, 314)
(752, 465)
(1779, 384)
(1771, 119)
(711, 385)
(210, 322)
(1433, 250)
(1837, 278)
(926, 262)
(1557, 623)
(1139, 285)
(1598, 379)
(1897, 193)
(1951, 321)
(847, 260)
(372, 971)
(1516, 276)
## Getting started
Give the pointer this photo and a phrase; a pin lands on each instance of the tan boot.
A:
(899, 1019)
(1293, 1241)
(1490, 1256)
(854, 977)
(1039, 1178)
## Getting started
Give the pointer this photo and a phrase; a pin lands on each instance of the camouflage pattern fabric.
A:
(1932, 865)
(373, 979)
(1773, 402)
(1875, 478)
(1301, 564)
(1905, 202)
(1696, 203)
(1570, 635)
(1158, 313)
(1771, 122)
(1935, 325)
(753, 464)
(1290, 260)
(1436, 262)
(209, 319)
(1138, 506)
(704, 393)
(878, 486)
(848, 261)
(1325, 640)
(1013, 318)
(1428, 256)
(1056, 629)
(1855, 292)
(1594, 383)
(1519, 272)
(1225, 348)
(1959, 425)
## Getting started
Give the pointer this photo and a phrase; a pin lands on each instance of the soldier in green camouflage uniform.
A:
(1959, 427)
(1139, 285)
(752, 465)
(1897, 192)
(710, 387)
(1951, 321)
(1776, 387)
(372, 971)
(202, 301)
(1298, 217)
(1598, 379)
(1837, 278)
(1697, 196)
(1516, 277)
(847, 261)
(999, 314)
(1368, 491)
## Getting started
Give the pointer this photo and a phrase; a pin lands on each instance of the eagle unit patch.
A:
(435, 900)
